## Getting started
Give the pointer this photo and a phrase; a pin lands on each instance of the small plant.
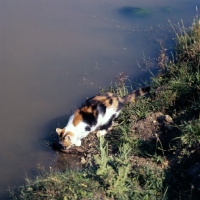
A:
(114, 171)
(191, 134)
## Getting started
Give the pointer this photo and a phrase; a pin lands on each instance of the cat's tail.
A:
(135, 94)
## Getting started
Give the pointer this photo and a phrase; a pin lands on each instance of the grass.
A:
(159, 161)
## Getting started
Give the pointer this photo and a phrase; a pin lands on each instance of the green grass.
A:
(128, 166)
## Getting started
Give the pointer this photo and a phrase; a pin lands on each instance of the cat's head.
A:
(65, 138)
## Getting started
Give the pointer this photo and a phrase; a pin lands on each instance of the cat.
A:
(97, 113)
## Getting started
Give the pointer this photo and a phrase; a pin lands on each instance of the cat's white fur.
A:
(79, 130)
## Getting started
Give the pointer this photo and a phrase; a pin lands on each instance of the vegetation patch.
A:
(153, 149)
(168, 9)
(135, 11)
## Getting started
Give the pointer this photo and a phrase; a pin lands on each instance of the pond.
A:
(55, 54)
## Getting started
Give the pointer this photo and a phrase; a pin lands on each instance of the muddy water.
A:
(54, 54)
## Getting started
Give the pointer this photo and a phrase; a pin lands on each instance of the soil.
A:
(148, 128)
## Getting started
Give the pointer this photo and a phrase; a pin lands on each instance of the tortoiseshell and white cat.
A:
(97, 113)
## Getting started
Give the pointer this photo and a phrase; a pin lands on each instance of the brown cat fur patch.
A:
(77, 117)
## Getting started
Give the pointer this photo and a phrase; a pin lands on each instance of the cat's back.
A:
(96, 106)
(105, 101)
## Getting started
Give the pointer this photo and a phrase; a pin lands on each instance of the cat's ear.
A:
(59, 131)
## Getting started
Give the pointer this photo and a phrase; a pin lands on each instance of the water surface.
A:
(55, 54)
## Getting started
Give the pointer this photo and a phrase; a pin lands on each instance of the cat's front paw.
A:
(101, 133)
(78, 143)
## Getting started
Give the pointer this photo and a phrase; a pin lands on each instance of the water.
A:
(54, 54)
